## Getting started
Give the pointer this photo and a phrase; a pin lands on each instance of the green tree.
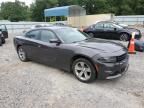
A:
(117, 7)
(67, 2)
(94, 6)
(14, 11)
(38, 7)
(139, 8)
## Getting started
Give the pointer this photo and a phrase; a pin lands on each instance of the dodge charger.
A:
(71, 50)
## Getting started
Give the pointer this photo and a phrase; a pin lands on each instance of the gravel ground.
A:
(33, 85)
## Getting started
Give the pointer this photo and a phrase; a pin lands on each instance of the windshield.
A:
(69, 35)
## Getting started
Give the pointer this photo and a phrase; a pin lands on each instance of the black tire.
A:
(124, 37)
(91, 35)
(3, 40)
(22, 54)
(0, 41)
(91, 75)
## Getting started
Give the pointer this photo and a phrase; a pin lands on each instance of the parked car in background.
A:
(123, 25)
(64, 25)
(71, 50)
(40, 25)
(4, 30)
(59, 24)
(139, 45)
(110, 30)
(2, 39)
(117, 23)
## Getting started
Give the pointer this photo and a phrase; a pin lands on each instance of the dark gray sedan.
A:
(71, 50)
(2, 38)
(110, 30)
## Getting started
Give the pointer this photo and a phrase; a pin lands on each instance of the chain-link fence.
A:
(131, 19)
(20, 27)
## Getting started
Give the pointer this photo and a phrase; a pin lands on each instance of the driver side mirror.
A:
(0, 29)
(55, 41)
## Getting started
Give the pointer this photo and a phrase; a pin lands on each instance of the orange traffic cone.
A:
(131, 48)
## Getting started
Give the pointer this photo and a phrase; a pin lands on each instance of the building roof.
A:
(72, 10)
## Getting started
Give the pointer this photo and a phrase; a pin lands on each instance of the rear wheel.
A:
(22, 54)
(83, 70)
(124, 37)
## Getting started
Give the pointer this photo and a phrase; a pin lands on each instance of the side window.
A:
(99, 26)
(108, 25)
(47, 35)
(33, 34)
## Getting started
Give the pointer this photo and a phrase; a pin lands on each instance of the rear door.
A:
(30, 44)
(4, 30)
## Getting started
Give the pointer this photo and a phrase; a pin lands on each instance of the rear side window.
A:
(46, 35)
(33, 34)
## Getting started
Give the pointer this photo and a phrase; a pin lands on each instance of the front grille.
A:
(121, 57)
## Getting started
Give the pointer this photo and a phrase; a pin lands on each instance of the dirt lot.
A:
(32, 85)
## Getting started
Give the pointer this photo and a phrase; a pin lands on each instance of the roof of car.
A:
(104, 22)
(52, 27)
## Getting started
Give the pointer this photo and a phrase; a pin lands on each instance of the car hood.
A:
(101, 45)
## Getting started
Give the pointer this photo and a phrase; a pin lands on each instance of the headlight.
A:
(107, 59)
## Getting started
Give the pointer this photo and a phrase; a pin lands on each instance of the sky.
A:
(27, 2)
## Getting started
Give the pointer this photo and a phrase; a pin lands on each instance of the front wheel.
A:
(83, 70)
(124, 37)
(22, 54)
(91, 35)
(3, 40)
(0, 41)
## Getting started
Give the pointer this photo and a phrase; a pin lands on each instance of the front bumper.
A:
(112, 70)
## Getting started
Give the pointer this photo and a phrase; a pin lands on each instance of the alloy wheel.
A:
(21, 54)
(124, 37)
(82, 71)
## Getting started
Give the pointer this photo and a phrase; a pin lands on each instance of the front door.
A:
(110, 31)
(31, 44)
(46, 50)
